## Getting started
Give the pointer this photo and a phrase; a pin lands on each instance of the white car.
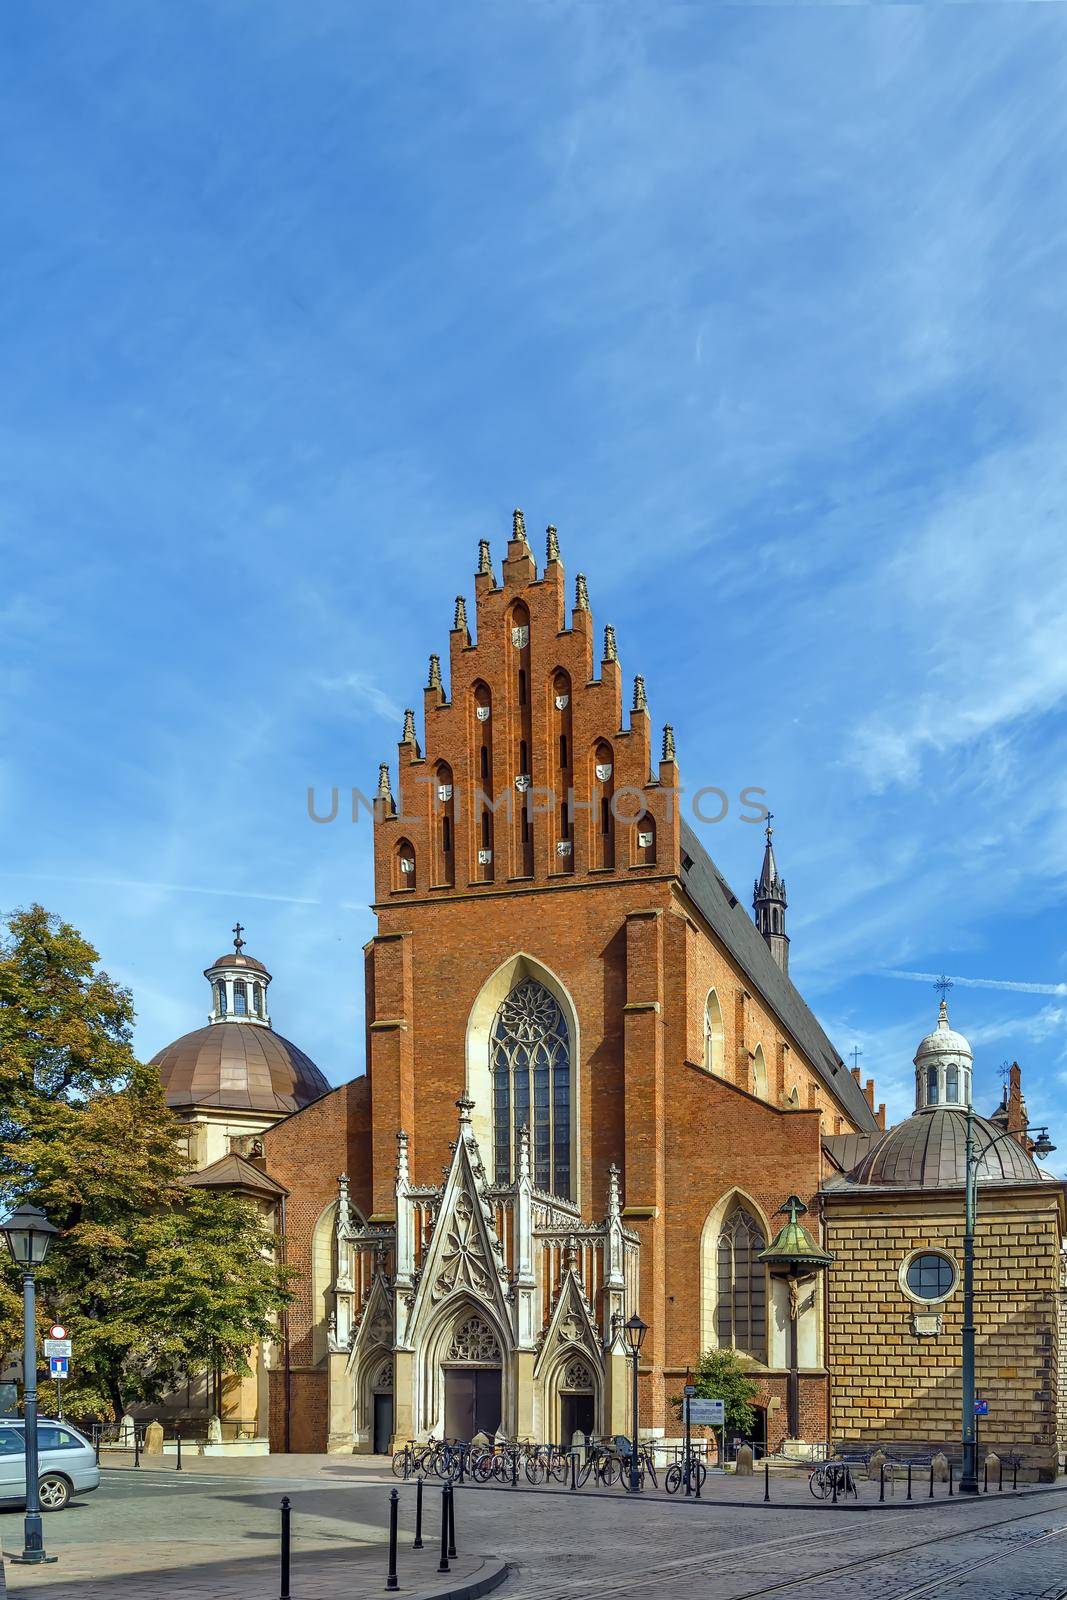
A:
(66, 1464)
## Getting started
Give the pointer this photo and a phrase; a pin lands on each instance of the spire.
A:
(769, 903)
(610, 652)
(518, 525)
(485, 563)
(403, 1174)
(385, 793)
(435, 673)
(408, 736)
(614, 1194)
(552, 550)
(668, 744)
(581, 593)
(459, 622)
(640, 698)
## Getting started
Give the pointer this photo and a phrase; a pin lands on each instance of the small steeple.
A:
(552, 549)
(668, 744)
(408, 736)
(485, 560)
(518, 526)
(581, 593)
(610, 651)
(769, 903)
(238, 985)
(435, 673)
(640, 698)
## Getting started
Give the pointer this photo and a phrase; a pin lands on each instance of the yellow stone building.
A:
(894, 1223)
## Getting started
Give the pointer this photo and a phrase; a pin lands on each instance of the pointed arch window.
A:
(714, 1038)
(741, 1300)
(760, 1084)
(529, 1057)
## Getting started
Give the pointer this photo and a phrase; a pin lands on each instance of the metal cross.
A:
(855, 1053)
(238, 942)
(770, 830)
(943, 985)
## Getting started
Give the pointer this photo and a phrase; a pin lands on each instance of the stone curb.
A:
(492, 1578)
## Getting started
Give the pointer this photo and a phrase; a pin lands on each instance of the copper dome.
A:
(239, 1065)
(928, 1151)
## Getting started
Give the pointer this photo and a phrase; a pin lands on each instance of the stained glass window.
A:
(529, 1055)
(741, 1308)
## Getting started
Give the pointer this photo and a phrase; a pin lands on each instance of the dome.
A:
(241, 1067)
(928, 1151)
(944, 1041)
(233, 958)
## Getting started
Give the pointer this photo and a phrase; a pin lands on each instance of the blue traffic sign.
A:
(981, 1408)
(59, 1366)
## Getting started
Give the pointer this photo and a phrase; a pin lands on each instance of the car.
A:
(66, 1463)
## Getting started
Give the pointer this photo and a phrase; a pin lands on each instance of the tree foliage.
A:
(154, 1278)
(720, 1376)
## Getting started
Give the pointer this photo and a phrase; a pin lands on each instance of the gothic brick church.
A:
(590, 1084)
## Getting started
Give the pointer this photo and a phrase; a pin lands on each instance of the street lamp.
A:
(1042, 1146)
(635, 1331)
(28, 1234)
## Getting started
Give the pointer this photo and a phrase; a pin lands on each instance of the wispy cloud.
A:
(979, 983)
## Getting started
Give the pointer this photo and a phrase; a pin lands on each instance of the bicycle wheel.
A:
(609, 1471)
(819, 1484)
(535, 1470)
(401, 1464)
(698, 1474)
(649, 1466)
(672, 1481)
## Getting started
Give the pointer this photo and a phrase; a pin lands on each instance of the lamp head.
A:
(635, 1331)
(1043, 1145)
(28, 1233)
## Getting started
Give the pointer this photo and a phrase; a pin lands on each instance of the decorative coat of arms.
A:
(483, 713)
(522, 782)
(562, 702)
(520, 637)
(444, 791)
(407, 864)
(484, 857)
(563, 847)
(603, 771)
(644, 840)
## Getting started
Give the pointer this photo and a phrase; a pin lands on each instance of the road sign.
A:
(57, 1331)
(981, 1408)
(707, 1413)
(58, 1366)
(57, 1347)
(690, 1390)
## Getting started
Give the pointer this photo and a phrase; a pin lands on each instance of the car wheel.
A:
(54, 1492)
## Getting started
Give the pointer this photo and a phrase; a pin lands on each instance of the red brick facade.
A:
(596, 896)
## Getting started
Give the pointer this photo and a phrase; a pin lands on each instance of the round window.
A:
(930, 1276)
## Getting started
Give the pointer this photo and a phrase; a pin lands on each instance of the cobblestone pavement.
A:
(213, 1532)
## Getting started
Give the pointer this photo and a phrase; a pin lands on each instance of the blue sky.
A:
(762, 306)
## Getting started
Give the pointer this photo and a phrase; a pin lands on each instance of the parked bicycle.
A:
(832, 1478)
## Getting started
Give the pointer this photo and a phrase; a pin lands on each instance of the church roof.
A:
(728, 918)
(928, 1151)
(239, 1065)
(235, 1171)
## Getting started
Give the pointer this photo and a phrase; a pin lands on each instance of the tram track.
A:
(686, 1568)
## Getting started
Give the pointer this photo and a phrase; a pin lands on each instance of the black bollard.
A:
(985, 1477)
(699, 1476)
(766, 1480)
(391, 1581)
(178, 1440)
(909, 1480)
(1000, 1479)
(931, 1480)
(418, 1516)
(833, 1485)
(451, 1521)
(574, 1470)
(442, 1565)
(881, 1482)
(514, 1468)
(950, 1477)
(1015, 1473)
(136, 1447)
(462, 1460)
(284, 1591)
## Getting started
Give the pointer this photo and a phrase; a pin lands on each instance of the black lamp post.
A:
(635, 1331)
(28, 1233)
(1042, 1146)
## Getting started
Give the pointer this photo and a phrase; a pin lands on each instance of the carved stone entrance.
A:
(471, 1371)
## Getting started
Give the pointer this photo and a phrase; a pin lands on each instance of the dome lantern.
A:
(943, 1065)
(238, 986)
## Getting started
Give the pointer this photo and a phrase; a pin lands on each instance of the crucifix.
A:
(238, 942)
(943, 985)
(855, 1053)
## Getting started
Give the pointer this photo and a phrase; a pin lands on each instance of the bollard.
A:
(451, 1521)
(950, 1477)
(418, 1516)
(985, 1477)
(136, 1447)
(442, 1565)
(284, 1591)
(931, 1480)
(699, 1478)
(909, 1480)
(574, 1471)
(881, 1483)
(833, 1485)
(1015, 1474)
(766, 1480)
(1000, 1479)
(514, 1469)
(391, 1580)
(178, 1439)
(462, 1460)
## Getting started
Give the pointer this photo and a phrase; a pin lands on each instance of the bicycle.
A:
(675, 1476)
(831, 1477)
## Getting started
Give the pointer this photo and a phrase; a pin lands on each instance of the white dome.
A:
(944, 1041)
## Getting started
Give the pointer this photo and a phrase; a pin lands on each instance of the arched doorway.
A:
(577, 1401)
(471, 1368)
(382, 1408)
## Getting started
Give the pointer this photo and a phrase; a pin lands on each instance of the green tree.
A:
(720, 1376)
(155, 1279)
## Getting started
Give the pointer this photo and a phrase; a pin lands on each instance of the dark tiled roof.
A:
(928, 1151)
(240, 1065)
(847, 1150)
(720, 907)
(235, 1172)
